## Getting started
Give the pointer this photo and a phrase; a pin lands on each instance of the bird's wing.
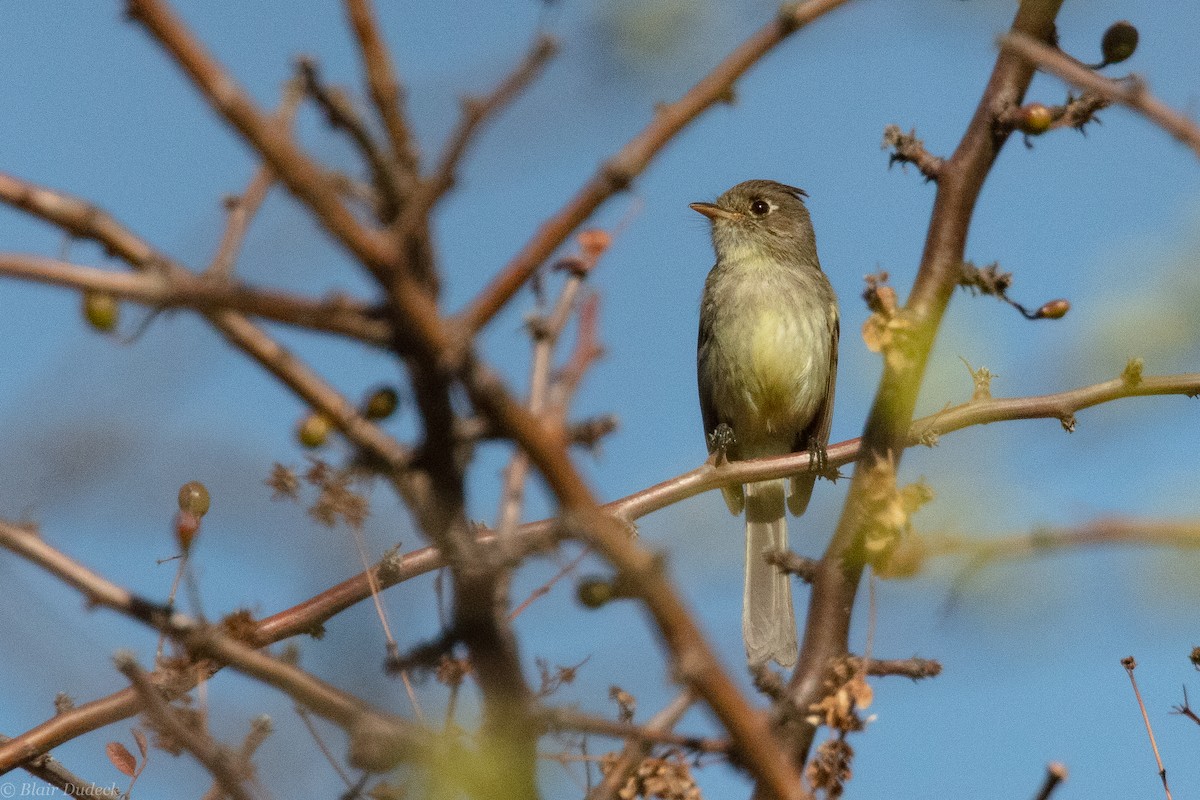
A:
(818, 429)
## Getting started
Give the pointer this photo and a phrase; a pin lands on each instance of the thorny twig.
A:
(1130, 665)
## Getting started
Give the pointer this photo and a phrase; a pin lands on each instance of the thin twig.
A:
(308, 615)
(215, 758)
(308, 181)
(545, 333)
(260, 729)
(636, 750)
(908, 149)
(1130, 664)
(179, 288)
(914, 668)
(545, 588)
(340, 112)
(1185, 709)
(51, 770)
(1131, 92)
(306, 718)
(1183, 534)
(243, 208)
(618, 172)
(369, 728)
(85, 220)
(568, 719)
(384, 86)
(438, 350)
(1056, 774)
(478, 110)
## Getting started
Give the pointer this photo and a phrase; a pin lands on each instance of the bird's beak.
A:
(713, 212)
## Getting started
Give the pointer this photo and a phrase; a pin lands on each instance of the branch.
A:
(545, 332)
(242, 209)
(693, 659)
(1185, 709)
(181, 289)
(835, 586)
(307, 617)
(1131, 93)
(340, 113)
(221, 763)
(914, 668)
(80, 218)
(1130, 664)
(566, 719)
(405, 740)
(385, 88)
(302, 176)
(908, 149)
(618, 172)
(441, 350)
(51, 770)
(260, 729)
(636, 750)
(476, 111)
(1056, 774)
(1182, 534)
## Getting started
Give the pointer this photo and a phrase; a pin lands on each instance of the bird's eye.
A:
(760, 208)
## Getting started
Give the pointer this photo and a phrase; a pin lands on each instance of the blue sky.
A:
(99, 436)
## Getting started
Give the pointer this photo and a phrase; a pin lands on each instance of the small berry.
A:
(193, 498)
(594, 592)
(381, 403)
(314, 429)
(1054, 309)
(1119, 42)
(101, 310)
(1035, 118)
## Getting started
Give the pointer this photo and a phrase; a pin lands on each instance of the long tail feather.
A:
(768, 619)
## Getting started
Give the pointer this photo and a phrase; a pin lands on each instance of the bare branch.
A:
(793, 564)
(404, 739)
(637, 749)
(242, 209)
(1056, 774)
(1131, 92)
(908, 149)
(182, 289)
(51, 770)
(340, 112)
(835, 586)
(545, 333)
(1130, 665)
(260, 729)
(215, 758)
(476, 111)
(303, 177)
(1185, 709)
(914, 668)
(85, 220)
(394, 569)
(385, 88)
(566, 719)
(1182, 534)
(618, 172)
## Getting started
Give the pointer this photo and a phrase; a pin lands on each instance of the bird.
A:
(766, 367)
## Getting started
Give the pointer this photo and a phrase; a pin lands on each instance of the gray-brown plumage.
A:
(766, 365)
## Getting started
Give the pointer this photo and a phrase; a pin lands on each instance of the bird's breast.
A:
(768, 356)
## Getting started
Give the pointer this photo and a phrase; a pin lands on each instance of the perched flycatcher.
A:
(766, 363)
